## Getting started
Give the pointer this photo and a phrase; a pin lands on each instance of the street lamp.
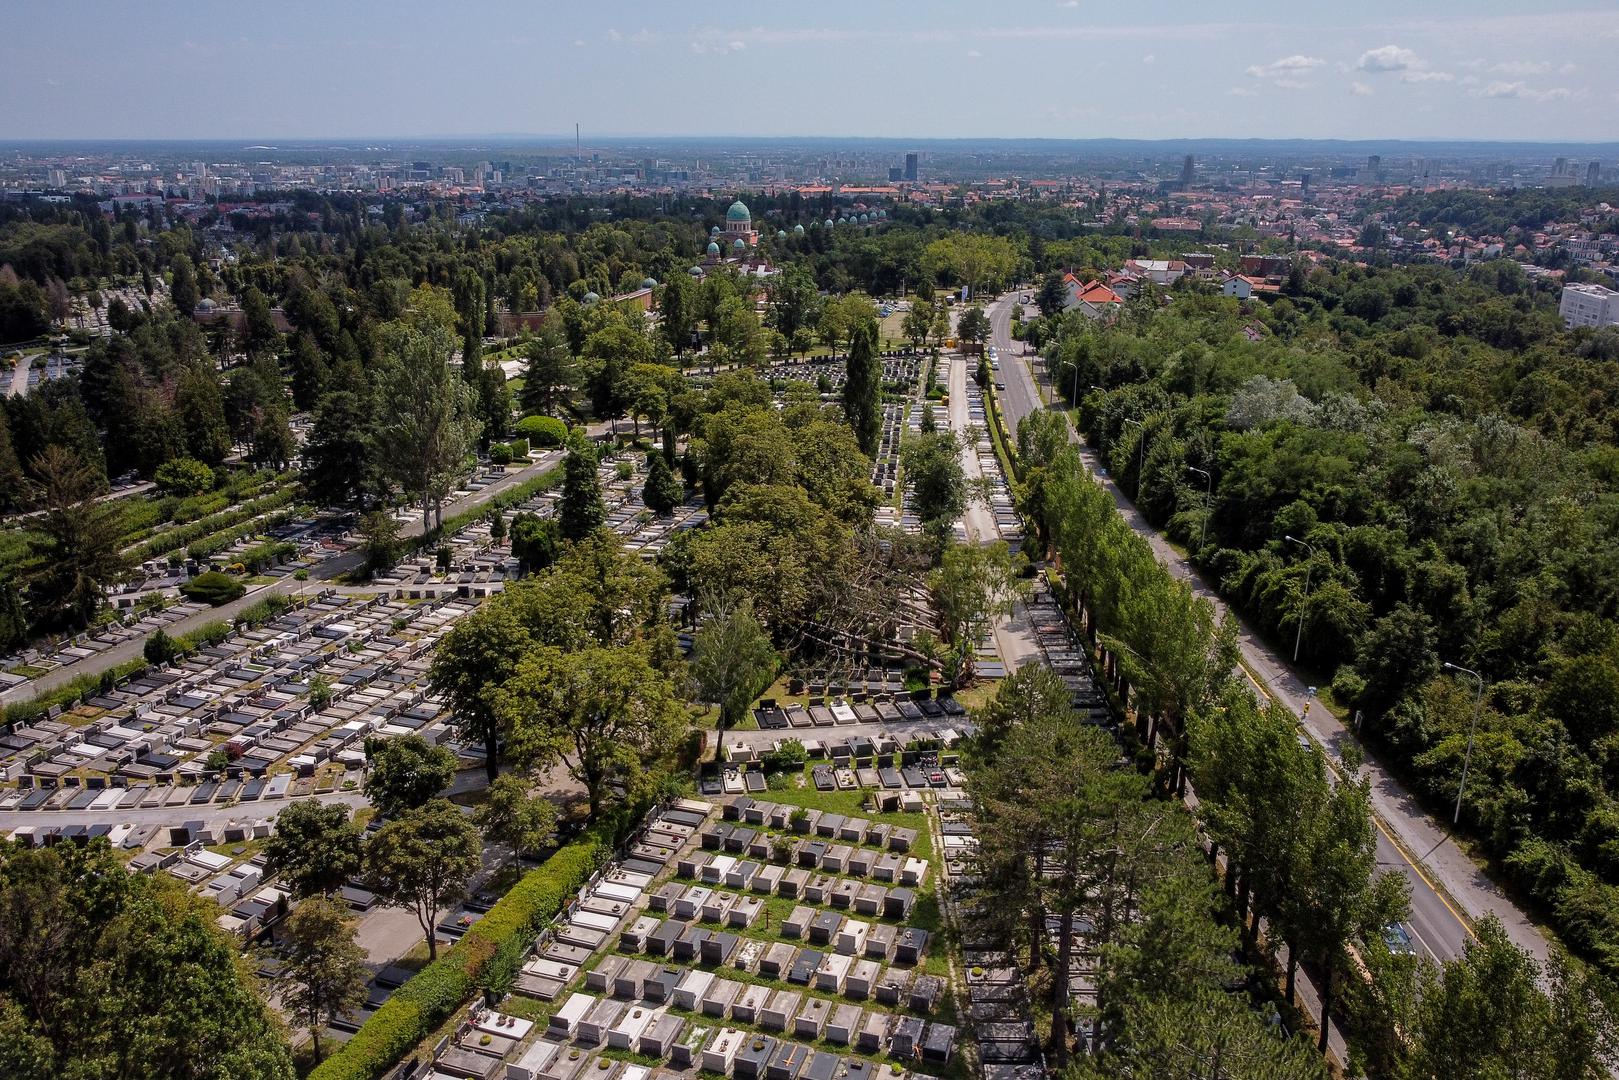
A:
(1141, 454)
(1298, 636)
(1208, 504)
(1467, 759)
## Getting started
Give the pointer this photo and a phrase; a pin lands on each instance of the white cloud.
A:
(1243, 91)
(1388, 58)
(1522, 67)
(614, 35)
(1149, 58)
(1395, 59)
(1524, 92)
(974, 53)
(706, 46)
(1069, 3)
(1360, 89)
(578, 43)
(1288, 72)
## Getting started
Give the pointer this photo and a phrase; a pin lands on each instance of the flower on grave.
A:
(604, 1064)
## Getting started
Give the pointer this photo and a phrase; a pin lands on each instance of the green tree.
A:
(918, 322)
(423, 861)
(677, 312)
(77, 545)
(272, 441)
(662, 491)
(863, 390)
(580, 510)
(160, 648)
(535, 541)
(510, 814)
(973, 325)
(938, 486)
(405, 772)
(325, 966)
(552, 376)
(199, 406)
(109, 974)
(429, 418)
(339, 463)
(732, 662)
(1053, 294)
(315, 848)
(380, 541)
(605, 713)
(480, 652)
(184, 476)
(974, 587)
(183, 287)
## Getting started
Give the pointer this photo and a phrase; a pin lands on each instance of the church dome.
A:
(781, 234)
(829, 223)
(591, 297)
(739, 244)
(715, 231)
(713, 248)
(798, 230)
(738, 212)
(649, 283)
(695, 271)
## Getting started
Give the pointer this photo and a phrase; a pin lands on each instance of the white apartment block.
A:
(1589, 305)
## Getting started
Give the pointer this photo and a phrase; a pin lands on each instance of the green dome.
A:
(715, 231)
(738, 212)
(713, 248)
(739, 244)
(798, 230)
(781, 234)
(829, 223)
(591, 297)
(649, 283)
(695, 271)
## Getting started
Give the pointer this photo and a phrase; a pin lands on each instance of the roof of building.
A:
(738, 212)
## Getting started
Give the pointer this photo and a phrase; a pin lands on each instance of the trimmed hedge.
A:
(428, 999)
(542, 431)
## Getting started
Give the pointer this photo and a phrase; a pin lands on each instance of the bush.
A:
(184, 476)
(428, 999)
(160, 648)
(542, 431)
(519, 449)
(787, 757)
(500, 454)
(213, 588)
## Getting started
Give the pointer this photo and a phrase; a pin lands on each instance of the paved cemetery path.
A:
(320, 577)
(1448, 890)
(1014, 637)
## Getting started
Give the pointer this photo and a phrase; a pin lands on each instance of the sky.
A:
(1448, 69)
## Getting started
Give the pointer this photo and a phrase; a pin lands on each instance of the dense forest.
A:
(1404, 468)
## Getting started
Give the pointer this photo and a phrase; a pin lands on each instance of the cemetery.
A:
(651, 970)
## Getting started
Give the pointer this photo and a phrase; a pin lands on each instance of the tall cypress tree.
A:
(862, 389)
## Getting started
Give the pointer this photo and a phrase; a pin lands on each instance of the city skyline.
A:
(1066, 69)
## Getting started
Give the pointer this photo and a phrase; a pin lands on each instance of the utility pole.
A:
(1467, 759)
(1208, 508)
(1141, 454)
(1298, 636)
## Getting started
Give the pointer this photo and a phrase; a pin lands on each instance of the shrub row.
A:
(178, 537)
(72, 692)
(550, 478)
(428, 999)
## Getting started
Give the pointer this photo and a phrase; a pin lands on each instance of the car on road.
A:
(1398, 940)
(1000, 386)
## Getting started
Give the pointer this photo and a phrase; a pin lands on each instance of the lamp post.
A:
(1208, 504)
(1141, 454)
(1467, 759)
(1298, 636)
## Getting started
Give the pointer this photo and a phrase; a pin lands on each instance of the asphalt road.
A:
(1448, 890)
(320, 577)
